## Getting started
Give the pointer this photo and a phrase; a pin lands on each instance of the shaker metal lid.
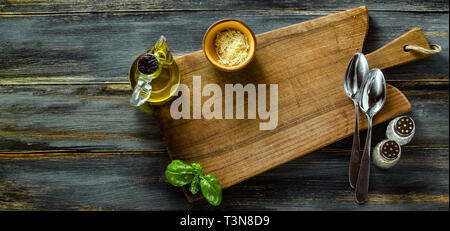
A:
(390, 150)
(404, 126)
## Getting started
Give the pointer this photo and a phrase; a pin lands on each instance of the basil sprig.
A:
(180, 173)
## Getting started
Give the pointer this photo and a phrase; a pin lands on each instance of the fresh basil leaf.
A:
(211, 189)
(179, 173)
(195, 185)
(198, 169)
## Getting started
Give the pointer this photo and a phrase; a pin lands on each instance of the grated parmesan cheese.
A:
(231, 47)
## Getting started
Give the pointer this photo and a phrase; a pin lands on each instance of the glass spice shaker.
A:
(401, 130)
(386, 154)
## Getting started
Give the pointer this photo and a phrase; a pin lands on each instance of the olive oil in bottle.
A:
(153, 75)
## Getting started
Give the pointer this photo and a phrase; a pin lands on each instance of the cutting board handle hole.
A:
(404, 48)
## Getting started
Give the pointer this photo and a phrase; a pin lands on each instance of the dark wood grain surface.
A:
(69, 140)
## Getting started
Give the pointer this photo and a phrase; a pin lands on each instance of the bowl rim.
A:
(239, 66)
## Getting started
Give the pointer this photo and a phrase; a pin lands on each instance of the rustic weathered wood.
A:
(79, 117)
(88, 48)
(85, 118)
(49, 6)
(234, 150)
(93, 181)
(96, 161)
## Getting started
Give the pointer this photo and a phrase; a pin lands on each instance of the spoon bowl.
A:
(373, 94)
(355, 75)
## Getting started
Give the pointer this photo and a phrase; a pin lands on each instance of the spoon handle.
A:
(362, 184)
(355, 156)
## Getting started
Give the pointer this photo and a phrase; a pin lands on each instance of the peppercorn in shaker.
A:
(401, 130)
(386, 154)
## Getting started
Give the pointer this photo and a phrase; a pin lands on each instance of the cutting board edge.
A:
(409, 106)
(363, 8)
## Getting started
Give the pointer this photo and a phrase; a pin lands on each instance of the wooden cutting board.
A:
(307, 61)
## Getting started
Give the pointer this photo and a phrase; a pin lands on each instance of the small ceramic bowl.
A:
(210, 36)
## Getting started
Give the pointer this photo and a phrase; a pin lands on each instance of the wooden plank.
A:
(89, 48)
(99, 117)
(80, 117)
(48, 6)
(92, 182)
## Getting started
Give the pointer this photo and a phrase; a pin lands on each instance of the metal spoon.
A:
(373, 96)
(356, 73)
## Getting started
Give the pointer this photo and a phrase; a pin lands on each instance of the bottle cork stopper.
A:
(148, 64)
